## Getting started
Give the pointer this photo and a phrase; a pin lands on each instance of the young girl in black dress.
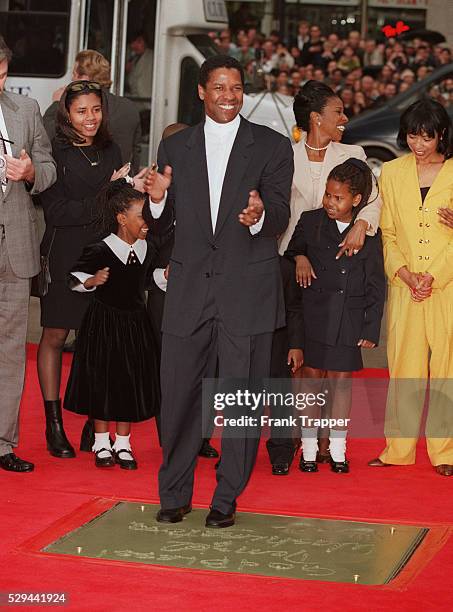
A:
(114, 374)
(342, 303)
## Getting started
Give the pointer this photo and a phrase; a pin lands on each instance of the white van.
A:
(45, 36)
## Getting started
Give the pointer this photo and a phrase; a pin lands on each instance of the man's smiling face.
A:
(223, 94)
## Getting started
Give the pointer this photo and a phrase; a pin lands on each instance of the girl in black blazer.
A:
(342, 304)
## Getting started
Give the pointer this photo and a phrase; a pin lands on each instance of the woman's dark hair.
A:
(115, 197)
(426, 116)
(359, 178)
(218, 61)
(64, 130)
(312, 97)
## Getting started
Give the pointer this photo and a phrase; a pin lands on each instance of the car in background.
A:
(376, 129)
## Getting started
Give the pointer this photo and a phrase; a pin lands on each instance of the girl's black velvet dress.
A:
(114, 374)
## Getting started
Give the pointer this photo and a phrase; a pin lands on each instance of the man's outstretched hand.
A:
(254, 211)
(156, 184)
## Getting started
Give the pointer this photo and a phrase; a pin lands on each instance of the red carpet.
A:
(32, 502)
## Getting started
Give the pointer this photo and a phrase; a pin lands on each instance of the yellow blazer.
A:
(305, 197)
(411, 231)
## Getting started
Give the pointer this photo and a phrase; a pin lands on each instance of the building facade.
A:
(342, 16)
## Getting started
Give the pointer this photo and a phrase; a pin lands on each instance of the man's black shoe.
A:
(218, 519)
(280, 469)
(11, 463)
(173, 515)
(207, 450)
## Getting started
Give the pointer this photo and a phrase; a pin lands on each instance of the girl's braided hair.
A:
(358, 176)
(115, 197)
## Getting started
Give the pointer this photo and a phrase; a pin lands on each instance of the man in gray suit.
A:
(227, 182)
(26, 169)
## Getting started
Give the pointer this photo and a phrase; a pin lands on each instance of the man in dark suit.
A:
(157, 287)
(284, 442)
(124, 118)
(228, 182)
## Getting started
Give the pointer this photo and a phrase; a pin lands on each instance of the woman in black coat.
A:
(86, 160)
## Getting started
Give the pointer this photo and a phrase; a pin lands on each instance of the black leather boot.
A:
(87, 437)
(58, 444)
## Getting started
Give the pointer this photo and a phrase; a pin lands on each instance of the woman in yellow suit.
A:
(418, 253)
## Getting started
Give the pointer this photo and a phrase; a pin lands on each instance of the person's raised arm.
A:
(366, 222)
(159, 209)
(297, 250)
(275, 188)
(35, 167)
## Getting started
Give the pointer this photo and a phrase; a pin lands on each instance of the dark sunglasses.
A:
(78, 86)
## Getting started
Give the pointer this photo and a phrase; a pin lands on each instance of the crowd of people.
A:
(365, 73)
(229, 211)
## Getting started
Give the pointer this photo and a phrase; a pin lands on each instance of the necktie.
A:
(132, 259)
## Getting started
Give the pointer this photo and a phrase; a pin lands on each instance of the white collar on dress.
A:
(122, 249)
(221, 130)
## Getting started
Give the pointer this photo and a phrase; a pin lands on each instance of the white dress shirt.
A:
(121, 249)
(342, 226)
(4, 146)
(159, 278)
(219, 140)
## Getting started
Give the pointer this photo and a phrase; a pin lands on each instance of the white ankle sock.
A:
(123, 443)
(101, 440)
(337, 444)
(309, 443)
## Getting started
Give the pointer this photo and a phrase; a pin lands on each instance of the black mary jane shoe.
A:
(339, 467)
(173, 515)
(125, 464)
(218, 520)
(280, 469)
(207, 450)
(104, 462)
(307, 466)
(11, 463)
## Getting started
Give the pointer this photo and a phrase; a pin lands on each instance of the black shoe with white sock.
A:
(125, 459)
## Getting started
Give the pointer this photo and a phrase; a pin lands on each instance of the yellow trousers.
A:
(419, 347)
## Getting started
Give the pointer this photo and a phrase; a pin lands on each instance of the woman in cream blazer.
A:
(307, 195)
(319, 113)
